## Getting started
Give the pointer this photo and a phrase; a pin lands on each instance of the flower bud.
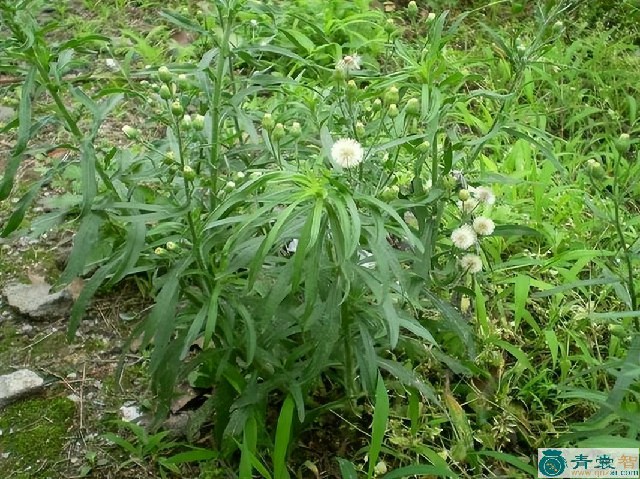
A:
(424, 147)
(240, 175)
(198, 122)
(295, 130)
(623, 143)
(188, 173)
(267, 121)
(392, 95)
(352, 88)
(131, 132)
(594, 168)
(389, 26)
(155, 87)
(413, 106)
(186, 122)
(278, 132)
(255, 175)
(164, 74)
(377, 105)
(165, 92)
(360, 131)
(176, 109)
(392, 111)
(171, 246)
(464, 195)
(558, 26)
(230, 185)
(412, 9)
(381, 468)
(168, 158)
(390, 193)
(431, 17)
(160, 251)
(182, 80)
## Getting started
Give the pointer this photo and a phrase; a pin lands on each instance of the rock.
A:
(36, 301)
(18, 384)
(130, 413)
(6, 114)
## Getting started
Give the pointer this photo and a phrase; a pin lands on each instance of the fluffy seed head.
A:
(484, 195)
(463, 237)
(471, 263)
(483, 226)
(347, 153)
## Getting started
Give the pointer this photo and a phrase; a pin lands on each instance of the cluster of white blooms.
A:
(349, 63)
(466, 236)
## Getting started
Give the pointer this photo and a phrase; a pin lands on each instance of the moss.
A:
(34, 434)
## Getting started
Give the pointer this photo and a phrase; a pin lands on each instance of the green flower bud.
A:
(412, 9)
(377, 105)
(278, 132)
(164, 74)
(160, 251)
(594, 168)
(392, 96)
(186, 122)
(352, 88)
(165, 92)
(171, 246)
(449, 182)
(155, 87)
(240, 175)
(464, 195)
(424, 147)
(558, 26)
(168, 158)
(623, 143)
(230, 185)
(176, 109)
(267, 121)
(255, 175)
(390, 193)
(360, 131)
(188, 173)
(131, 132)
(182, 80)
(381, 468)
(390, 26)
(413, 106)
(431, 17)
(198, 122)
(392, 111)
(295, 130)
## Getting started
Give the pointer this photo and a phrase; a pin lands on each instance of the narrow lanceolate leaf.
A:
(24, 130)
(454, 322)
(87, 293)
(133, 246)
(84, 242)
(283, 439)
(88, 167)
(379, 426)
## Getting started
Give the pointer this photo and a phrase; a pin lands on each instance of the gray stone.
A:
(36, 301)
(17, 384)
(6, 114)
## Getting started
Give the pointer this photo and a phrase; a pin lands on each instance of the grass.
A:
(456, 374)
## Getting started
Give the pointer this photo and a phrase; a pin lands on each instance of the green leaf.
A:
(575, 284)
(347, 469)
(515, 230)
(379, 425)
(83, 244)
(509, 459)
(283, 438)
(24, 134)
(419, 470)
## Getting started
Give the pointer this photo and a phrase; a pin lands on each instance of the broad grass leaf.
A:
(347, 469)
(379, 425)
(248, 448)
(367, 359)
(88, 167)
(133, 246)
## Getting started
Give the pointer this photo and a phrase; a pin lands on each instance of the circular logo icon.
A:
(552, 463)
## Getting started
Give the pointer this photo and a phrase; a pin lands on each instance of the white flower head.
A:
(349, 63)
(464, 237)
(347, 153)
(471, 263)
(483, 226)
(484, 195)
